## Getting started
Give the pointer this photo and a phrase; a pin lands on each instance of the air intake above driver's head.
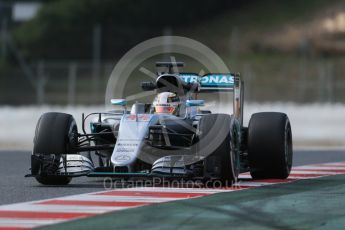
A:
(173, 83)
(169, 67)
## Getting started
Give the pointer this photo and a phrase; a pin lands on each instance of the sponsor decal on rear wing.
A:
(210, 82)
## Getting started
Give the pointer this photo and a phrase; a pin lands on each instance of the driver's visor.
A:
(164, 109)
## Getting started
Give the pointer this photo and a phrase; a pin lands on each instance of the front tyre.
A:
(218, 142)
(270, 145)
(53, 180)
(56, 135)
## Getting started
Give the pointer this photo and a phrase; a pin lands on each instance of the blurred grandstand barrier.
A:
(56, 83)
(266, 80)
(294, 80)
(313, 125)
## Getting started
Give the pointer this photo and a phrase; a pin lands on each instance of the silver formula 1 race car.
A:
(171, 138)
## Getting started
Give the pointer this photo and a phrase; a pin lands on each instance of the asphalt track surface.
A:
(15, 188)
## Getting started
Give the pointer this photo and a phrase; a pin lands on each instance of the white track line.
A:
(119, 198)
(25, 223)
(170, 189)
(253, 184)
(305, 177)
(314, 172)
(60, 208)
(244, 176)
(329, 167)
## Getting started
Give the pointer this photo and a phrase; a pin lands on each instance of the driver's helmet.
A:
(167, 103)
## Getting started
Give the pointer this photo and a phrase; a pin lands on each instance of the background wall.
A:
(290, 54)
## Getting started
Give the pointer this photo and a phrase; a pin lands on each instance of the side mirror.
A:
(191, 103)
(122, 102)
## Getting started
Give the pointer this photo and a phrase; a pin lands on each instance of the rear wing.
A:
(211, 82)
(220, 82)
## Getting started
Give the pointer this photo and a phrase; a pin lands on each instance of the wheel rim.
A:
(234, 156)
(288, 147)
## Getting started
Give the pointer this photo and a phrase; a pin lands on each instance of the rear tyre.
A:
(56, 134)
(270, 145)
(217, 143)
